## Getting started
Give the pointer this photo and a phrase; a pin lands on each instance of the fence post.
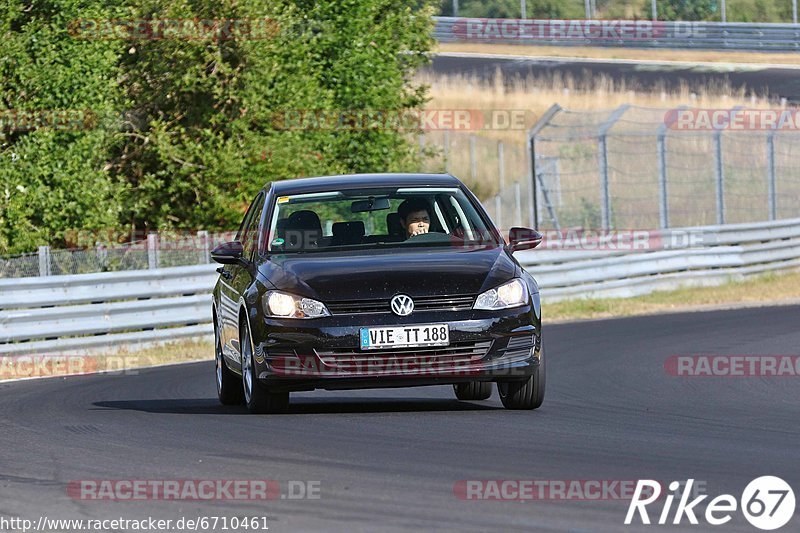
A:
(152, 250)
(44, 261)
(501, 166)
(605, 198)
(447, 151)
(498, 211)
(662, 179)
(533, 171)
(473, 163)
(771, 185)
(720, 178)
(205, 248)
(518, 202)
(602, 146)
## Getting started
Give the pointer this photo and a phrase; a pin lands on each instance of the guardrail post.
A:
(44, 261)
(205, 247)
(720, 178)
(152, 250)
(771, 185)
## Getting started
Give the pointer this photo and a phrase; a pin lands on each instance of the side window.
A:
(248, 231)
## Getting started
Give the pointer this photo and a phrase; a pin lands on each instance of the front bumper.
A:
(324, 353)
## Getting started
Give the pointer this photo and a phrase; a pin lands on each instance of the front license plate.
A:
(405, 336)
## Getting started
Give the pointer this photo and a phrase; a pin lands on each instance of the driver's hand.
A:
(419, 231)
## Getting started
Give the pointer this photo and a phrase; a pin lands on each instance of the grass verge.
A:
(643, 54)
(768, 289)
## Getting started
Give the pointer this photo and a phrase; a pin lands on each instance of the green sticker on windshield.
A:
(278, 242)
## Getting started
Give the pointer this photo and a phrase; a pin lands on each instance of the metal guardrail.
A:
(618, 33)
(727, 252)
(64, 313)
(69, 313)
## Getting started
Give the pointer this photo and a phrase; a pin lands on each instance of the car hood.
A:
(378, 275)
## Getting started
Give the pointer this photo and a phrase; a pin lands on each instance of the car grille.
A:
(519, 345)
(411, 359)
(421, 303)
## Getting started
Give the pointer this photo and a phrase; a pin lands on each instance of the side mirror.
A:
(228, 253)
(523, 239)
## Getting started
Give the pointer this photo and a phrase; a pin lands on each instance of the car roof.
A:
(362, 181)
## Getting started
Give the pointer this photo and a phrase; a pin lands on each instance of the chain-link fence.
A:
(633, 167)
(497, 171)
(636, 167)
(168, 249)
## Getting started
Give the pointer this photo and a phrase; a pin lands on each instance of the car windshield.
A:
(393, 218)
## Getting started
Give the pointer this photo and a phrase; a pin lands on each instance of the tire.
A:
(229, 385)
(256, 397)
(474, 390)
(527, 394)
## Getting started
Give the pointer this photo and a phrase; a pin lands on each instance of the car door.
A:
(235, 279)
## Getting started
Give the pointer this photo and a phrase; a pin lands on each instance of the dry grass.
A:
(536, 94)
(123, 360)
(711, 56)
(770, 289)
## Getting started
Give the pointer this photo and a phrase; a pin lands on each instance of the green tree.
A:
(53, 179)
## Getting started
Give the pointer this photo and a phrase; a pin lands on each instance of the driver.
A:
(415, 214)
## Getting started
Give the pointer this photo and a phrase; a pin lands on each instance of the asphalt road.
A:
(389, 459)
(763, 80)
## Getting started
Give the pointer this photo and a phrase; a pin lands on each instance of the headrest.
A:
(394, 225)
(347, 233)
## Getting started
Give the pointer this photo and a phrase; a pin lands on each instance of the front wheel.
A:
(257, 398)
(527, 394)
(474, 390)
(229, 386)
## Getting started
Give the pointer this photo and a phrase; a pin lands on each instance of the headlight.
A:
(511, 294)
(282, 305)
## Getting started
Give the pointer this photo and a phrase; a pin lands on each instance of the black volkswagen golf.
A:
(381, 280)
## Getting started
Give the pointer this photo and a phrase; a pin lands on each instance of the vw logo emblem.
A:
(402, 305)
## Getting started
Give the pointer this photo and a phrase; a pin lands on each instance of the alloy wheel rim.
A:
(218, 357)
(246, 375)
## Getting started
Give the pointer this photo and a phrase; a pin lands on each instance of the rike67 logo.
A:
(767, 503)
